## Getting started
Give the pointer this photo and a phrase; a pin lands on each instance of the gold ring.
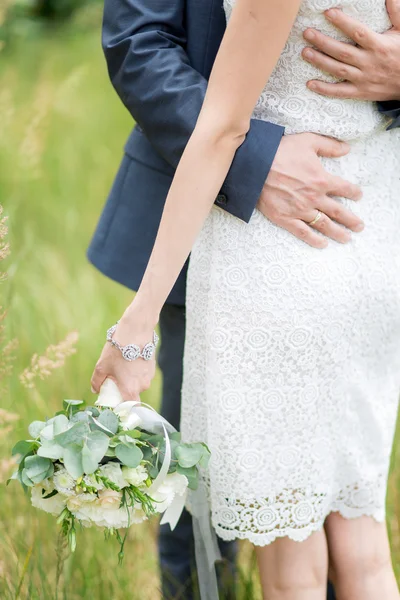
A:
(317, 218)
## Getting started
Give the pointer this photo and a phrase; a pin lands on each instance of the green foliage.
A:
(129, 454)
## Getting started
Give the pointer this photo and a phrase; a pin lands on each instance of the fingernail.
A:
(312, 85)
(331, 13)
(309, 34)
(359, 227)
(92, 390)
(308, 53)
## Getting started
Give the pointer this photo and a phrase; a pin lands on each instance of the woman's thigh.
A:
(359, 558)
(294, 570)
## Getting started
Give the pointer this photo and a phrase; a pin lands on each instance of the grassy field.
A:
(62, 130)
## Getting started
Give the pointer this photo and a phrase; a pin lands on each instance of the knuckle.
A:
(344, 55)
(302, 233)
(336, 214)
(323, 223)
(343, 72)
(360, 33)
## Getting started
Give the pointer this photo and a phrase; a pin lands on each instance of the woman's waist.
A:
(305, 112)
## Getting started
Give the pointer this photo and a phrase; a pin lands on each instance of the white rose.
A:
(127, 416)
(112, 471)
(135, 476)
(116, 518)
(54, 505)
(64, 482)
(74, 503)
(174, 484)
(109, 498)
(109, 395)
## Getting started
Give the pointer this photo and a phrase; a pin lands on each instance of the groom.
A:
(160, 54)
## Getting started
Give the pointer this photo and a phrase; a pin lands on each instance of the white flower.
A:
(109, 499)
(74, 503)
(128, 418)
(135, 476)
(112, 471)
(109, 395)
(64, 482)
(174, 484)
(53, 505)
(118, 518)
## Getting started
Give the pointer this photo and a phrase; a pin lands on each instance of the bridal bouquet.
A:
(111, 465)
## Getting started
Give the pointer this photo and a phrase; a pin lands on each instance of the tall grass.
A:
(62, 131)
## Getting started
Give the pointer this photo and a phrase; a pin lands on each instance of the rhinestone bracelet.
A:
(132, 351)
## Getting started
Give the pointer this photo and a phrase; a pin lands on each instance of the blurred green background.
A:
(62, 130)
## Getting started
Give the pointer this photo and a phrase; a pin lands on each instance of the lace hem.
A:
(298, 535)
(293, 513)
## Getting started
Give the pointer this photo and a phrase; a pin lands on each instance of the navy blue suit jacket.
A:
(159, 55)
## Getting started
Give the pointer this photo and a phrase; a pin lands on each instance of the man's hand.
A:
(298, 187)
(371, 69)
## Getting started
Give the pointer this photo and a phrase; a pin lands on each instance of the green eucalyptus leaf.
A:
(25, 479)
(37, 467)
(189, 455)
(73, 460)
(153, 471)
(68, 403)
(23, 448)
(93, 411)
(176, 436)
(50, 449)
(74, 435)
(60, 424)
(47, 432)
(80, 416)
(131, 455)
(14, 477)
(109, 420)
(89, 462)
(50, 472)
(206, 457)
(93, 451)
(35, 428)
(191, 474)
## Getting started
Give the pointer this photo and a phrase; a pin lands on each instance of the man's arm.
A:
(144, 44)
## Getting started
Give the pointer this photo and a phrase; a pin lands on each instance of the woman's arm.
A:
(252, 44)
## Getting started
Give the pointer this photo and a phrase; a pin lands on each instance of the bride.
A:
(292, 360)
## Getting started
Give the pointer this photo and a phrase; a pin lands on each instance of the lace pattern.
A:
(292, 360)
(287, 101)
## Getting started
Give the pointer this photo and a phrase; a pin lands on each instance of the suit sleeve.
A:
(391, 109)
(144, 45)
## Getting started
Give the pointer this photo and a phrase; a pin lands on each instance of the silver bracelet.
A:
(133, 351)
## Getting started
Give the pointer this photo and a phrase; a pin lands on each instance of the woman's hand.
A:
(133, 377)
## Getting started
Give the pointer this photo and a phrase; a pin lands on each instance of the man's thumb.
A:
(393, 8)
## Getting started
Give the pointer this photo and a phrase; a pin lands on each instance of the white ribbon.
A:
(206, 546)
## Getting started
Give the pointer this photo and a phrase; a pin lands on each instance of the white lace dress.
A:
(292, 362)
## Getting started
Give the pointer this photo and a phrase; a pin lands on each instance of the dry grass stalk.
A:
(54, 357)
(33, 144)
